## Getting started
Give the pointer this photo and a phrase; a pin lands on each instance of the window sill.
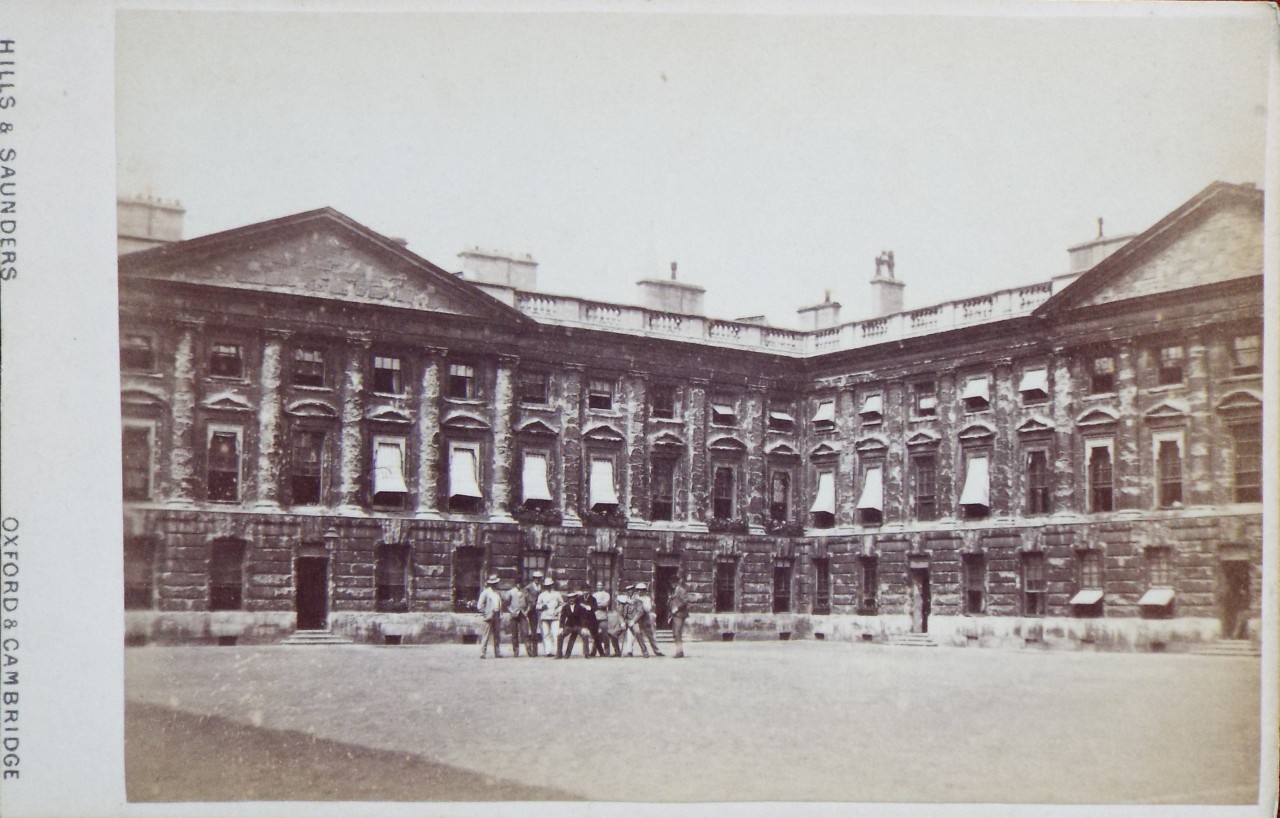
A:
(396, 395)
(463, 401)
(143, 373)
(1242, 377)
(921, 418)
(1100, 396)
(301, 387)
(228, 379)
(1160, 389)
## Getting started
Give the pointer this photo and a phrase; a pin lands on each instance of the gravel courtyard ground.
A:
(796, 721)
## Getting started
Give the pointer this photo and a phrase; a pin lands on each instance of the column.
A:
(182, 476)
(269, 443)
(351, 434)
(695, 424)
(569, 469)
(429, 434)
(503, 451)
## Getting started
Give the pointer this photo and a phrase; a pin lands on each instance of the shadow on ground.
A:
(174, 756)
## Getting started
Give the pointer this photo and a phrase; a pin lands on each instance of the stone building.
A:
(324, 431)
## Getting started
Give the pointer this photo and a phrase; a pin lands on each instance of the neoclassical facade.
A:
(324, 431)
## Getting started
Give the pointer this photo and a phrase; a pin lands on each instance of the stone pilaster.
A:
(182, 476)
(695, 422)
(351, 434)
(429, 434)
(1004, 453)
(503, 450)
(1069, 485)
(946, 486)
(636, 408)
(570, 467)
(270, 445)
(1133, 489)
(1198, 484)
(753, 422)
(894, 428)
(848, 480)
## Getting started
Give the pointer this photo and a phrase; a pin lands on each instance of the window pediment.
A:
(781, 450)
(1097, 417)
(1243, 403)
(923, 438)
(977, 431)
(311, 408)
(1034, 424)
(825, 450)
(1169, 411)
(603, 433)
(872, 444)
(144, 398)
(228, 401)
(668, 440)
(465, 420)
(535, 427)
(387, 414)
(727, 444)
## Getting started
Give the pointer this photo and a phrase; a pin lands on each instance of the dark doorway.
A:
(1235, 599)
(920, 601)
(312, 599)
(664, 577)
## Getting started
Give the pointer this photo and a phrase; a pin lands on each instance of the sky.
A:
(773, 156)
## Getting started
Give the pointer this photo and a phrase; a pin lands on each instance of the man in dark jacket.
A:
(574, 618)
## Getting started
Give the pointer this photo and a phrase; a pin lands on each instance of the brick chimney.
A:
(671, 295)
(820, 316)
(145, 221)
(886, 290)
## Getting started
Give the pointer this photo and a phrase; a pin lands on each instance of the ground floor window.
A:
(139, 573)
(822, 586)
(868, 601)
(467, 564)
(782, 586)
(226, 575)
(392, 593)
(726, 586)
(975, 584)
(1033, 588)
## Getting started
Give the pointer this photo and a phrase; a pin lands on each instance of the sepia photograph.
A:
(889, 383)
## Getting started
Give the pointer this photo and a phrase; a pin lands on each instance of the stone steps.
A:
(1228, 647)
(913, 640)
(316, 638)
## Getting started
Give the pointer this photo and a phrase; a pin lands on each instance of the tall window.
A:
(1091, 569)
(822, 586)
(1034, 385)
(1247, 439)
(1033, 587)
(534, 485)
(924, 470)
(600, 394)
(223, 467)
(871, 499)
(601, 570)
(662, 401)
(1159, 568)
(869, 601)
(726, 586)
(1038, 482)
(530, 562)
(461, 382)
(533, 388)
(226, 575)
(305, 467)
(389, 487)
(975, 583)
(308, 367)
(1102, 375)
(823, 510)
(1100, 485)
(662, 488)
(226, 360)
(137, 354)
(137, 462)
(602, 486)
(1171, 358)
(467, 565)
(824, 416)
(782, 586)
(722, 493)
(779, 495)
(139, 573)
(782, 416)
(387, 375)
(1169, 471)
(464, 492)
(392, 593)
(1246, 355)
(975, 498)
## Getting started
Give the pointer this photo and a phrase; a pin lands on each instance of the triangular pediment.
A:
(1100, 416)
(1214, 237)
(825, 450)
(535, 427)
(322, 254)
(1035, 423)
(977, 431)
(923, 438)
(603, 433)
(781, 450)
(311, 408)
(1167, 411)
(872, 444)
(227, 401)
(143, 397)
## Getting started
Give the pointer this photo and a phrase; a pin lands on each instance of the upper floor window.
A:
(1169, 471)
(463, 491)
(535, 488)
(722, 492)
(824, 417)
(137, 459)
(975, 500)
(226, 360)
(461, 383)
(533, 388)
(779, 495)
(602, 488)
(1100, 478)
(1247, 440)
(782, 415)
(1034, 385)
(977, 393)
(1246, 355)
(662, 401)
(722, 412)
(872, 410)
(823, 510)
(223, 466)
(924, 399)
(600, 394)
(924, 470)
(1171, 360)
(308, 367)
(137, 354)
(1038, 482)
(389, 487)
(871, 500)
(305, 467)
(662, 488)
(1102, 374)
(387, 375)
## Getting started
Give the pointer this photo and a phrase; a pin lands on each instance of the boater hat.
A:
(492, 580)
(640, 586)
(548, 581)
(537, 574)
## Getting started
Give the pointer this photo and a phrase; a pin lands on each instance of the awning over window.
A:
(1157, 597)
(388, 469)
(826, 495)
(1089, 596)
(534, 479)
(977, 484)
(602, 490)
(1034, 380)
(872, 405)
(782, 416)
(872, 491)
(977, 388)
(927, 402)
(463, 474)
(722, 408)
(826, 412)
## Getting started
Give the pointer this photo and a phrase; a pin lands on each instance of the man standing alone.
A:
(679, 604)
(490, 607)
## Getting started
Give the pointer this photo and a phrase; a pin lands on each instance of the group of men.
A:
(540, 614)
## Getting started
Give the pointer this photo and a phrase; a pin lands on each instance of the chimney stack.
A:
(670, 295)
(886, 290)
(820, 316)
(502, 269)
(145, 221)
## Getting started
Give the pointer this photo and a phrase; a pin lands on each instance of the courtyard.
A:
(794, 721)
